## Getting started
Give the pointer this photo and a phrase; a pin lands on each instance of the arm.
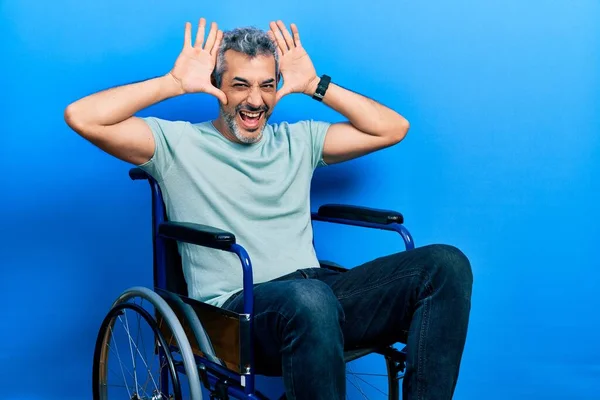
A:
(107, 118)
(370, 126)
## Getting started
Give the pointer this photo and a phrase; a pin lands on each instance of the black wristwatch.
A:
(322, 87)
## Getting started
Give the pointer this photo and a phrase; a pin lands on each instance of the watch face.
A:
(322, 87)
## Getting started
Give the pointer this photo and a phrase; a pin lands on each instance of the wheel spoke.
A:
(131, 351)
(119, 359)
(370, 384)
(356, 385)
(143, 358)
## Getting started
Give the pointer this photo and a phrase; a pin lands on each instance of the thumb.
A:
(219, 94)
(283, 91)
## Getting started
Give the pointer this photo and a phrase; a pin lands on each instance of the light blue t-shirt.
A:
(258, 192)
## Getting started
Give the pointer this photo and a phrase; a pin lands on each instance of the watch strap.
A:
(322, 87)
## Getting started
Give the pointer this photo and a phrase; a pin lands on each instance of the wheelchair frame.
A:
(230, 372)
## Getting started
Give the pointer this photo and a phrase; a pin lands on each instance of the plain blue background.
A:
(502, 160)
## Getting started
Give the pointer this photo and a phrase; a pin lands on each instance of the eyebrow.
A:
(237, 78)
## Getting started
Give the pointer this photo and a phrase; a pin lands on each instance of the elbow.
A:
(404, 127)
(400, 130)
(70, 116)
(73, 119)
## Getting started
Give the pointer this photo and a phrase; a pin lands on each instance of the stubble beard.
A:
(236, 131)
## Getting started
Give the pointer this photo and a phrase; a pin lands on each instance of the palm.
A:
(295, 64)
(193, 69)
(195, 64)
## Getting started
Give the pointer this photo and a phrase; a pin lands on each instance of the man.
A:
(252, 178)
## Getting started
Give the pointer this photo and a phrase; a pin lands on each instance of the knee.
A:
(452, 268)
(313, 304)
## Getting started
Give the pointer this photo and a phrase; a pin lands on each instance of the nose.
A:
(254, 97)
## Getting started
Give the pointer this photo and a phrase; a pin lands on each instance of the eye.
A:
(239, 85)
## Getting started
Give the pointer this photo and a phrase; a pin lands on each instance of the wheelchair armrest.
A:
(201, 235)
(358, 213)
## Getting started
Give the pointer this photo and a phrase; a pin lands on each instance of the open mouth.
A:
(250, 120)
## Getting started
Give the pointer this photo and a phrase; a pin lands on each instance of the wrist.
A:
(311, 88)
(171, 86)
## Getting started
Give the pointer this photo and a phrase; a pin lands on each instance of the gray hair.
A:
(250, 41)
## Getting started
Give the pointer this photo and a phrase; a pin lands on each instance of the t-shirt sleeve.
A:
(316, 133)
(167, 136)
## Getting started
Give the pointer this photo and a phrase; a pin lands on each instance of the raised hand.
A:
(195, 64)
(299, 75)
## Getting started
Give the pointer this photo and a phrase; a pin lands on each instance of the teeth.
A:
(249, 114)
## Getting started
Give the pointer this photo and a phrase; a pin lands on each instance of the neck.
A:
(223, 129)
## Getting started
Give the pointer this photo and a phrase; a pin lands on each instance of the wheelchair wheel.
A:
(142, 352)
(375, 376)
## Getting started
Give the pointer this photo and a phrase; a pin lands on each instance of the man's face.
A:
(250, 86)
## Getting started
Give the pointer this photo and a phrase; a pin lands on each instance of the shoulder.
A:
(308, 131)
(307, 126)
(177, 127)
(308, 134)
(166, 126)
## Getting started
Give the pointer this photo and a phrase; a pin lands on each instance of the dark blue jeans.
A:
(305, 320)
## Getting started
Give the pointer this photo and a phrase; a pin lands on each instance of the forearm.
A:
(363, 113)
(111, 106)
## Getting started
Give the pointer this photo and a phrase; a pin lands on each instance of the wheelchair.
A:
(200, 349)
